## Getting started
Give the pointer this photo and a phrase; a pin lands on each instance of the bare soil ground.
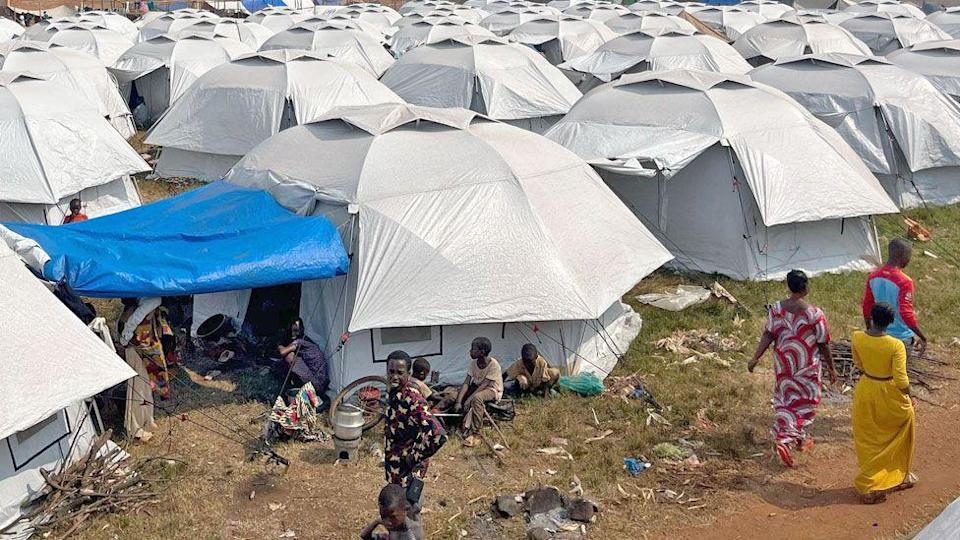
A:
(738, 490)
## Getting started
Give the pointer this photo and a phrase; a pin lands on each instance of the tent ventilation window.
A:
(25, 435)
(409, 334)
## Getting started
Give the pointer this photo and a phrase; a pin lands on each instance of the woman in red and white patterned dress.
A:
(798, 331)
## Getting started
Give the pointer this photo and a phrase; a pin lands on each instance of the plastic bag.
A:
(585, 384)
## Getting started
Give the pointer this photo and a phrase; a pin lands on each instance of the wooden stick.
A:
(495, 426)
(490, 446)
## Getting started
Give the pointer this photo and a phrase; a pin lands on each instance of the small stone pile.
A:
(548, 513)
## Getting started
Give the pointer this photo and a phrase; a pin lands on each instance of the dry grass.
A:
(211, 499)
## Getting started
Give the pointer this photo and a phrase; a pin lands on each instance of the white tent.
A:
(81, 72)
(379, 16)
(831, 16)
(112, 20)
(887, 32)
(731, 21)
(947, 20)
(642, 51)
(236, 106)
(938, 61)
(329, 38)
(733, 176)
(784, 38)
(662, 6)
(63, 147)
(440, 206)
(251, 34)
(9, 29)
(277, 19)
(598, 11)
(163, 68)
(562, 37)
(51, 364)
(649, 22)
(905, 130)
(471, 15)
(93, 38)
(503, 81)
(433, 30)
(885, 6)
(944, 525)
(768, 8)
(414, 6)
(503, 22)
(344, 22)
(171, 24)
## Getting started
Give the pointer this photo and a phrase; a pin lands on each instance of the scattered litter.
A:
(497, 447)
(667, 450)
(635, 466)
(555, 451)
(211, 375)
(719, 291)
(576, 486)
(690, 444)
(600, 437)
(704, 422)
(551, 472)
(699, 342)
(596, 421)
(630, 386)
(624, 492)
(584, 384)
(288, 534)
(253, 494)
(376, 452)
(688, 361)
(275, 506)
(692, 462)
(653, 416)
(931, 255)
(681, 298)
(558, 441)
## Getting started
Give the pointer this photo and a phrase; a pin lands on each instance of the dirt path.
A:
(817, 498)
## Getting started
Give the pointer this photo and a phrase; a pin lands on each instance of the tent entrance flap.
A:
(216, 238)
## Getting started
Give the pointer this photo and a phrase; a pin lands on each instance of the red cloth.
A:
(74, 218)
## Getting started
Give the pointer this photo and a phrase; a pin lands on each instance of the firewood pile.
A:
(104, 480)
(924, 370)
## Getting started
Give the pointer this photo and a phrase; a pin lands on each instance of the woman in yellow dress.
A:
(883, 417)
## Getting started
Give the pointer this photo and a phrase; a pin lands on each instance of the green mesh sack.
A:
(585, 384)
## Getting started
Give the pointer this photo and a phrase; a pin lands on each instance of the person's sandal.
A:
(785, 456)
(908, 482)
(874, 497)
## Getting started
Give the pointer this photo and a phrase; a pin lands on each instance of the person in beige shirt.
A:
(484, 382)
(531, 373)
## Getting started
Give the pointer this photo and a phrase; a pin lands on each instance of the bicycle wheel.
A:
(369, 394)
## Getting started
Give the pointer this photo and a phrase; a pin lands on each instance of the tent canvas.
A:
(407, 189)
(42, 341)
(674, 143)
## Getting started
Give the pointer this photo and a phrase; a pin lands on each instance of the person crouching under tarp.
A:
(305, 387)
(143, 324)
(306, 363)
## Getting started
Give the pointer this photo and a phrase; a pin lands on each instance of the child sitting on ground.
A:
(393, 517)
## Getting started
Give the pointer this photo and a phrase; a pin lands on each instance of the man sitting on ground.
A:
(394, 517)
(421, 370)
(530, 373)
(76, 212)
(306, 362)
(484, 382)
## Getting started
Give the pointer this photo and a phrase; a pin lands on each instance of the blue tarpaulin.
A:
(216, 238)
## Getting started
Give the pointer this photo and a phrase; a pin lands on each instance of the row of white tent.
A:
(460, 226)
